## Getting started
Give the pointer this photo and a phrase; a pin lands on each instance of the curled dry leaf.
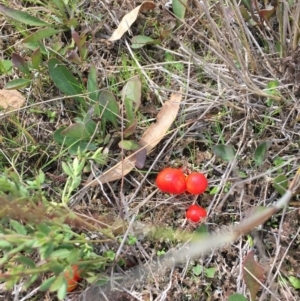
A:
(129, 19)
(149, 140)
(11, 99)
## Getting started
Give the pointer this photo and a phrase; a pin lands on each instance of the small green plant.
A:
(44, 231)
(272, 90)
(13, 186)
(61, 18)
(237, 297)
(131, 240)
(6, 67)
(27, 69)
(295, 281)
(208, 272)
(74, 171)
(161, 252)
(85, 134)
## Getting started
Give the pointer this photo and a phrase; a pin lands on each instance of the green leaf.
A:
(43, 228)
(17, 83)
(46, 250)
(61, 9)
(36, 59)
(237, 297)
(40, 34)
(261, 151)
(214, 190)
(272, 87)
(62, 291)
(210, 272)
(80, 130)
(225, 152)
(30, 281)
(58, 282)
(5, 66)
(22, 17)
(64, 80)
(179, 8)
(109, 107)
(19, 228)
(140, 41)
(245, 13)
(295, 282)
(272, 90)
(251, 267)
(74, 256)
(248, 4)
(34, 45)
(40, 178)
(47, 283)
(280, 183)
(56, 268)
(26, 261)
(60, 253)
(242, 174)
(131, 95)
(129, 145)
(92, 84)
(59, 138)
(197, 270)
(202, 230)
(67, 169)
(72, 143)
(82, 146)
(5, 244)
(110, 255)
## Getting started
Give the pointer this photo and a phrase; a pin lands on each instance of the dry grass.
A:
(224, 66)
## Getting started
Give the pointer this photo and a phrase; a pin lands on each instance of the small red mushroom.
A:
(196, 183)
(171, 180)
(195, 213)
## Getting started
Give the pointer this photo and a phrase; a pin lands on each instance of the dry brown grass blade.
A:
(149, 140)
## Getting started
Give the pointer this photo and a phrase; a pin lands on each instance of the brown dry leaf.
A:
(149, 140)
(253, 274)
(11, 99)
(165, 118)
(129, 19)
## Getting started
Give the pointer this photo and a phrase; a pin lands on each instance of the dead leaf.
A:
(252, 273)
(165, 118)
(266, 14)
(140, 157)
(129, 19)
(130, 129)
(149, 140)
(12, 99)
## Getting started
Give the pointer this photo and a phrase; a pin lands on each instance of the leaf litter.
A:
(151, 137)
(11, 99)
(129, 19)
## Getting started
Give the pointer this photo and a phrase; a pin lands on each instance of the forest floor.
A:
(234, 72)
